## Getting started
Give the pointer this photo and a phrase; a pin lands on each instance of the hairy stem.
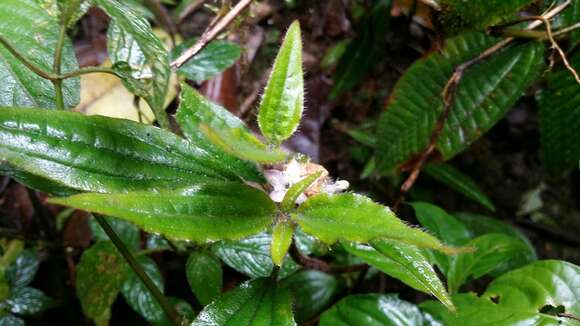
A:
(136, 267)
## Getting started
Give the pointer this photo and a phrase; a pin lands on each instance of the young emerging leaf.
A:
(203, 213)
(100, 154)
(204, 275)
(281, 241)
(404, 262)
(283, 101)
(256, 302)
(297, 189)
(356, 218)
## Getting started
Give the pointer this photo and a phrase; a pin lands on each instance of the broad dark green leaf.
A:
(134, 29)
(281, 240)
(522, 296)
(493, 250)
(403, 262)
(258, 302)
(569, 17)
(486, 92)
(101, 154)
(33, 32)
(356, 218)
(22, 271)
(28, 301)
(204, 275)
(283, 101)
(216, 57)
(364, 50)
(128, 232)
(138, 296)
(194, 110)
(10, 320)
(460, 15)
(560, 119)
(100, 275)
(251, 256)
(456, 180)
(374, 310)
(184, 310)
(312, 292)
(202, 213)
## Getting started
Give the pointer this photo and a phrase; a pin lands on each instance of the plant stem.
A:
(87, 70)
(136, 267)
(57, 66)
(25, 61)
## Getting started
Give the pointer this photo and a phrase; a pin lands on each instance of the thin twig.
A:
(210, 34)
(190, 9)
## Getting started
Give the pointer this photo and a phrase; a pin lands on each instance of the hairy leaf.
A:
(100, 274)
(204, 275)
(134, 30)
(281, 241)
(356, 218)
(456, 180)
(403, 262)
(33, 32)
(297, 189)
(216, 57)
(374, 310)
(283, 101)
(493, 249)
(138, 296)
(233, 137)
(257, 302)
(203, 213)
(522, 296)
(559, 104)
(486, 92)
(102, 154)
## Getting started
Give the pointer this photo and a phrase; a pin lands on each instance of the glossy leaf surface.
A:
(403, 262)
(22, 271)
(102, 154)
(138, 296)
(374, 310)
(486, 92)
(521, 297)
(28, 301)
(281, 241)
(493, 250)
(204, 275)
(258, 302)
(456, 180)
(356, 218)
(283, 101)
(128, 232)
(205, 123)
(204, 213)
(33, 32)
(100, 274)
(216, 57)
(134, 30)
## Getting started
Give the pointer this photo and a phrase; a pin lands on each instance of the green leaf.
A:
(569, 17)
(459, 15)
(485, 94)
(100, 275)
(204, 275)
(364, 50)
(28, 301)
(216, 57)
(356, 218)
(297, 189)
(521, 295)
(37, 43)
(493, 250)
(128, 232)
(22, 271)
(72, 10)
(403, 262)
(283, 101)
(195, 110)
(101, 154)
(560, 119)
(10, 320)
(258, 302)
(312, 291)
(131, 29)
(251, 256)
(281, 241)
(183, 308)
(138, 296)
(456, 180)
(374, 310)
(202, 213)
